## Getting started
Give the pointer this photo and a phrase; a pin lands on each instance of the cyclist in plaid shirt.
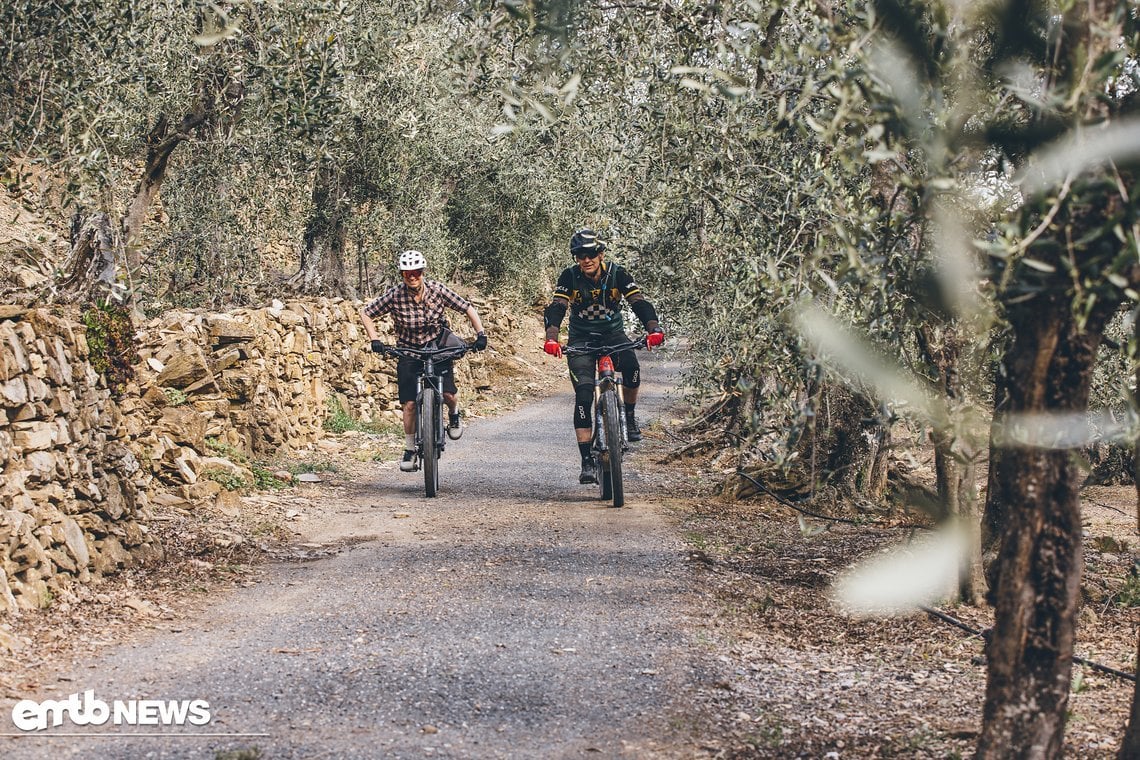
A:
(417, 307)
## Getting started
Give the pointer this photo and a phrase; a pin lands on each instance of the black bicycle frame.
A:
(428, 380)
(605, 380)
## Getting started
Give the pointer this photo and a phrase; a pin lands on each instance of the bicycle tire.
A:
(605, 488)
(429, 431)
(611, 418)
(601, 458)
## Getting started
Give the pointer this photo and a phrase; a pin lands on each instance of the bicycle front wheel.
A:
(611, 419)
(429, 434)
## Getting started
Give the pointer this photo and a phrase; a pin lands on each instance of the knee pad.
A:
(583, 404)
(631, 372)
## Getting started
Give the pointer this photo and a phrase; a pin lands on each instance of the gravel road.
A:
(513, 616)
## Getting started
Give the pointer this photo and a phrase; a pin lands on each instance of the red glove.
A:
(553, 347)
(655, 338)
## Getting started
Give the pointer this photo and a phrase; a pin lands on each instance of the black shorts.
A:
(408, 370)
(583, 368)
(408, 378)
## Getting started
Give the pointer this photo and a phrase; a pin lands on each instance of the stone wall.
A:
(72, 489)
(82, 470)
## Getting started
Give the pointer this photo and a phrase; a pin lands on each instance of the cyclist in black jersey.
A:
(592, 291)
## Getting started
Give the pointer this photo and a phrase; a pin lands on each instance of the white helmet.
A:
(412, 260)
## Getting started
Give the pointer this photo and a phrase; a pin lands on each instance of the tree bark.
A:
(322, 270)
(1136, 444)
(875, 486)
(1047, 368)
(219, 101)
(89, 271)
(160, 146)
(1130, 748)
(955, 457)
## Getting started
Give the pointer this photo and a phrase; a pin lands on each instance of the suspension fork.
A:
(606, 381)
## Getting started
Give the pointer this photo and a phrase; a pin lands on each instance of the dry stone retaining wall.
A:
(82, 470)
(72, 489)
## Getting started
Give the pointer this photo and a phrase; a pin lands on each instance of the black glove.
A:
(480, 341)
(378, 347)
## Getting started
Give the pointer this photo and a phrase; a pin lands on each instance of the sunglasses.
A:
(587, 255)
(413, 273)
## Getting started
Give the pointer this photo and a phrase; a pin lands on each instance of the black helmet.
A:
(586, 240)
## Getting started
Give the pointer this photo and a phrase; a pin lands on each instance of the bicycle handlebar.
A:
(593, 349)
(419, 354)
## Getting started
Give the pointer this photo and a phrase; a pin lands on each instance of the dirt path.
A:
(512, 616)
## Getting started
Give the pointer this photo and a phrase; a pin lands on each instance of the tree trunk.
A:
(89, 272)
(971, 579)
(875, 485)
(1136, 444)
(160, 145)
(955, 456)
(220, 97)
(322, 270)
(1131, 746)
(363, 276)
(1047, 368)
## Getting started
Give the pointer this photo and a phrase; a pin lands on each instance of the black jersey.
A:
(595, 307)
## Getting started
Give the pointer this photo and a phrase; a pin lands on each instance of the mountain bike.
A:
(609, 442)
(429, 426)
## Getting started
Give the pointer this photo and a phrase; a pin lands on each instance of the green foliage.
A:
(265, 480)
(298, 468)
(228, 480)
(226, 450)
(111, 345)
(742, 159)
(340, 420)
(1129, 594)
(175, 396)
(1078, 684)
(263, 477)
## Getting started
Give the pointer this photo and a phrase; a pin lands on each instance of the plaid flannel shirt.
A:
(417, 323)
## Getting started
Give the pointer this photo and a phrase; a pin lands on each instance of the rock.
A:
(183, 370)
(141, 606)
(167, 499)
(7, 604)
(186, 466)
(110, 556)
(12, 312)
(224, 330)
(74, 541)
(204, 491)
(221, 464)
(13, 392)
(33, 436)
(10, 642)
(185, 426)
(228, 503)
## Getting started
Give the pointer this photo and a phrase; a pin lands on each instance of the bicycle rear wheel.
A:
(611, 419)
(429, 435)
